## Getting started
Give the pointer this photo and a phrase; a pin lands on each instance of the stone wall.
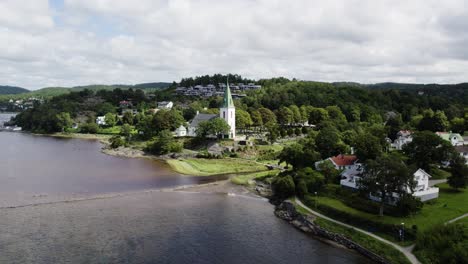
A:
(287, 211)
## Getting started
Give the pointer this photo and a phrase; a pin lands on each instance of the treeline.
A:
(213, 79)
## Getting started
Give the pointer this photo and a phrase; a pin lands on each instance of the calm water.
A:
(145, 227)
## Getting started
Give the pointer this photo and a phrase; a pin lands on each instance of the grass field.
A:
(449, 205)
(207, 167)
(244, 179)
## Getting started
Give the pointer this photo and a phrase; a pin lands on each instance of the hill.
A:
(12, 90)
(55, 91)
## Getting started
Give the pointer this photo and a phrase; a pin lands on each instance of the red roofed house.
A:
(340, 162)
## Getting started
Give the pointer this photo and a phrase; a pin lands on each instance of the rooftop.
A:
(344, 160)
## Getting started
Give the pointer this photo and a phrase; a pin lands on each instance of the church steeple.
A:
(227, 101)
(228, 112)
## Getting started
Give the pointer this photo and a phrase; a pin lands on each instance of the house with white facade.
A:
(180, 131)
(101, 120)
(403, 137)
(350, 179)
(165, 105)
(454, 138)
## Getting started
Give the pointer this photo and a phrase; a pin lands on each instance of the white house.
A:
(351, 177)
(181, 131)
(454, 138)
(193, 125)
(101, 120)
(340, 162)
(165, 105)
(403, 137)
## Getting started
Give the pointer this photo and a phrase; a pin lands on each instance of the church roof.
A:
(201, 117)
(227, 101)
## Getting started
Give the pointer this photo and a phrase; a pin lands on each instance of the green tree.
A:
(127, 118)
(367, 147)
(284, 186)
(433, 121)
(459, 171)
(105, 108)
(458, 125)
(317, 115)
(126, 131)
(164, 143)
(384, 176)
(110, 119)
(427, 148)
(296, 114)
(284, 116)
(243, 120)
(268, 117)
(64, 121)
(314, 180)
(216, 127)
(256, 118)
(329, 143)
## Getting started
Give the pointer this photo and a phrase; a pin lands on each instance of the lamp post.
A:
(316, 200)
(402, 232)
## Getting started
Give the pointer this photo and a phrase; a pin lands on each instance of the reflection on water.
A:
(159, 228)
(37, 166)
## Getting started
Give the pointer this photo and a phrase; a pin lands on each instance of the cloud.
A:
(80, 42)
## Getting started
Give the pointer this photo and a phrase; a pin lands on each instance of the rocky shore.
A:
(286, 210)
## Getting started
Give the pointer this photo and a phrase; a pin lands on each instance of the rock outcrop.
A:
(286, 210)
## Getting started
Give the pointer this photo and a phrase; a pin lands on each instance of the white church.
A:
(227, 111)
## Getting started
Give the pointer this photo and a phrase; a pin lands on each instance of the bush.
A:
(408, 204)
(443, 244)
(284, 187)
(116, 141)
(164, 143)
(89, 128)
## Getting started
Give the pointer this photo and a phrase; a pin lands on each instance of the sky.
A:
(78, 42)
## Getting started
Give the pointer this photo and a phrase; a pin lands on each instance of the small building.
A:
(454, 138)
(181, 131)
(403, 137)
(125, 104)
(101, 120)
(165, 105)
(340, 162)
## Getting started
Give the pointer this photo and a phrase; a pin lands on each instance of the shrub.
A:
(443, 244)
(284, 187)
(116, 141)
(408, 204)
(89, 128)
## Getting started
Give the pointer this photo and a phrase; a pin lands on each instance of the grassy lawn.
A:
(438, 174)
(207, 167)
(244, 179)
(115, 130)
(449, 205)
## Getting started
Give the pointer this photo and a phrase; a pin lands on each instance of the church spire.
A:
(227, 101)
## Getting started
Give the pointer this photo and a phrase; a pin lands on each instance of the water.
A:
(143, 227)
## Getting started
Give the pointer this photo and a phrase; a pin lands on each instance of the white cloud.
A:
(123, 41)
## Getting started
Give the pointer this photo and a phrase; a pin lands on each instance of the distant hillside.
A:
(12, 90)
(9, 92)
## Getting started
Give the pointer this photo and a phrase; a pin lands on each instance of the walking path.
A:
(456, 219)
(405, 250)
